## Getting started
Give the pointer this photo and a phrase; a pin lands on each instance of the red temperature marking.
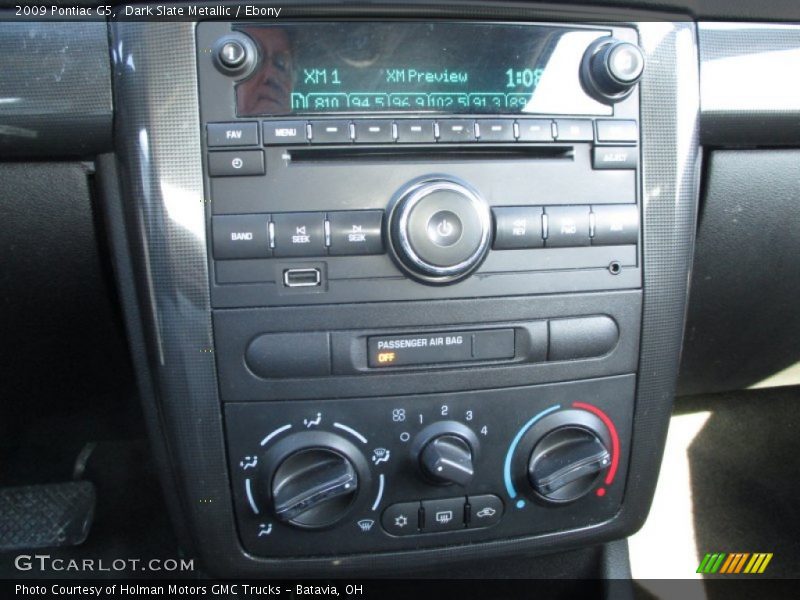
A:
(614, 437)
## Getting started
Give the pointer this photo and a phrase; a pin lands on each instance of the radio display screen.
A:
(408, 67)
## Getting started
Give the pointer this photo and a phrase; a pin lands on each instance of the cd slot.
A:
(431, 153)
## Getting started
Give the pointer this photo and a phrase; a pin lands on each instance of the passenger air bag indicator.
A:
(440, 347)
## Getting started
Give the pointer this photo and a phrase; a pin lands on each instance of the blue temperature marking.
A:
(512, 492)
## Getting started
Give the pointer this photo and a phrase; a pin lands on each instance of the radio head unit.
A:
(368, 161)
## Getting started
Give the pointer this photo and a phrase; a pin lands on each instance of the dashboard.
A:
(408, 286)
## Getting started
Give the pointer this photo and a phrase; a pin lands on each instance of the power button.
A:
(445, 228)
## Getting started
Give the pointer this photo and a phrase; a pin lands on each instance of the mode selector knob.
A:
(440, 230)
(312, 486)
(611, 68)
(446, 452)
(314, 479)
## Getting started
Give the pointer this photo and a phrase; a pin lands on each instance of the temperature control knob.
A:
(446, 453)
(564, 456)
(439, 230)
(566, 463)
(611, 68)
(314, 479)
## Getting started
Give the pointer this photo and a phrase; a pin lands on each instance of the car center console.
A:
(409, 289)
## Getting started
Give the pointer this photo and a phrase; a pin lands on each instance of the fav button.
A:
(299, 234)
(484, 511)
(401, 519)
(446, 514)
(356, 232)
(232, 134)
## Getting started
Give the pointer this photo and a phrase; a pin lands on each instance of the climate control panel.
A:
(381, 474)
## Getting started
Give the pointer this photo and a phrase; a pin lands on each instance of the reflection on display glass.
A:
(416, 67)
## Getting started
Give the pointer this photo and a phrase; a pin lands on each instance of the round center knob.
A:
(313, 487)
(440, 230)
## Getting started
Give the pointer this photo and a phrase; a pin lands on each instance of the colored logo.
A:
(735, 563)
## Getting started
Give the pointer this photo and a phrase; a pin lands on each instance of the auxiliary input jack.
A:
(614, 268)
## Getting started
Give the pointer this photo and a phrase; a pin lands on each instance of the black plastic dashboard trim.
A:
(159, 147)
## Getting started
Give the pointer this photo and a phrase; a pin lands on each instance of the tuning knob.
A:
(315, 479)
(446, 453)
(611, 68)
(439, 230)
